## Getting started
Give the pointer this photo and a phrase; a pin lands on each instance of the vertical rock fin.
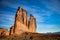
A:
(32, 24)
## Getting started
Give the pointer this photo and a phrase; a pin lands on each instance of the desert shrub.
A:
(31, 37)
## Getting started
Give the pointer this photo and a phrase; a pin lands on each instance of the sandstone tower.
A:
(25, 19)
(32, 24)
(21, 23)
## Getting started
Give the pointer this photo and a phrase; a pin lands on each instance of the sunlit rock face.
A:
(21, 23)
(25, 19)
(4, 32)
(32, 24)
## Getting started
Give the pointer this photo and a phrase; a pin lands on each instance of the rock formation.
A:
(12, 30)
(25, 19)
(32, 24)
(4, 32)
(21, 23)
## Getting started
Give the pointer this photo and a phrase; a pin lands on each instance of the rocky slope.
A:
(4, 32)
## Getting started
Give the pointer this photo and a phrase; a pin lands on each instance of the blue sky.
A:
(46, 12)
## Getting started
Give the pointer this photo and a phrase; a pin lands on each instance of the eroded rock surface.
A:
(4, 32)
(21, 23)
(32, 24)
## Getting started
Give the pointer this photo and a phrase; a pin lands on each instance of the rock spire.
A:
(32, 24)
(21, 23)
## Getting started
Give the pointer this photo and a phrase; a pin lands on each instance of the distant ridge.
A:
(53, 33)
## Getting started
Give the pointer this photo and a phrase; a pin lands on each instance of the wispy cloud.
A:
(50, 28)
(42, 17)
(42, 10)
(9, 18)
(6, 20)
(5, 26)
(53, 5)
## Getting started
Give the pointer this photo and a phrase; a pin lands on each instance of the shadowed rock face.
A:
(21, 23)
(25, 20)
(11, 30)
(19, 15)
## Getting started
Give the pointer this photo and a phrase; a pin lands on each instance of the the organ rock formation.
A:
(22, 24)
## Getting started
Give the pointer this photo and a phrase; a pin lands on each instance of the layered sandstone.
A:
(32, 24)
(20, 21)
(25, 19)
(4, 32)
(21, 24)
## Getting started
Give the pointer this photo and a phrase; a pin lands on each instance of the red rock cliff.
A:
(21, 23)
